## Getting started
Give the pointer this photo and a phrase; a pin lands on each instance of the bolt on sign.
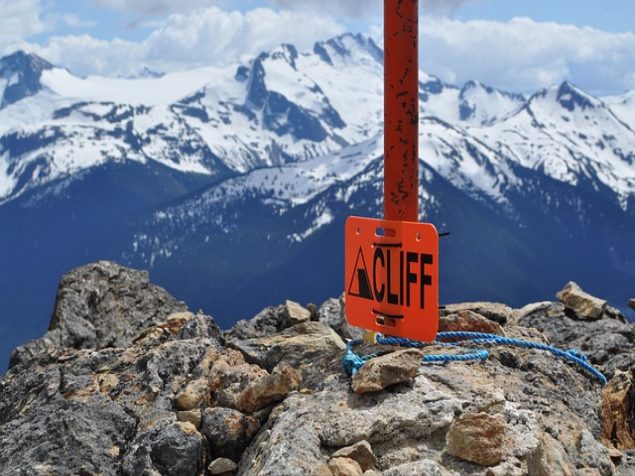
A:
(392, 265)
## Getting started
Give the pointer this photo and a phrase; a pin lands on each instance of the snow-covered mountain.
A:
(226, 182)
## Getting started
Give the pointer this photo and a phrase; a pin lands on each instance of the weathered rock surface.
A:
(465, 320)
(581, 303)
(386, 370)
(493, 311)
(618, 411)
(478, 438)
(128, 382)
(549, 458)
(609, 343)
(101, 305)
(221, 466)
(360, 452)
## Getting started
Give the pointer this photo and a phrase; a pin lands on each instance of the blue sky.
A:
(519, 45)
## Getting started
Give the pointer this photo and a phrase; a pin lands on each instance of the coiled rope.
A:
(353, 362)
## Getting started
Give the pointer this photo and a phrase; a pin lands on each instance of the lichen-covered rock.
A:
(390, 369)
(581, 303)
(493, 311)
(609, 343)
(468, 321)
(311, 348)
(478, 438)
(269, 321)
(269, 389)
(168, 448)
(332, 314)
(101, 305)
(228, 431)
(194, 394)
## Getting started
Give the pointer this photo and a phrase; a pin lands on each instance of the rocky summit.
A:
(128, 381)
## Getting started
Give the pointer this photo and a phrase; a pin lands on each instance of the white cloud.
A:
(213, 36)
(84, 55)
(19, 19)
(522, 54)
(518, 55)
(209, 36)
(153, 7)
(349, 8)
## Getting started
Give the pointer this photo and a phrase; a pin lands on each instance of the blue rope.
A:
(353, 362)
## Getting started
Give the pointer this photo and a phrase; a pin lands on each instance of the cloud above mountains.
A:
(518, 55)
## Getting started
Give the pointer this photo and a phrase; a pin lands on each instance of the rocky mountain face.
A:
(236, 181)
(128, 381)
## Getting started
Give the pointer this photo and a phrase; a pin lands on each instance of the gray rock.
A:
(593, 455)
(581, 303)
(269, 389)
(312, 348)
(174, 449)
(609, 343)
(101, 305)
(493, 311)
(221, 466)
(332, 314)
(293, 313)
(549, 458)
(269, 321)
(386, 370)
(360, 452)
(631, 303)
(228, 431)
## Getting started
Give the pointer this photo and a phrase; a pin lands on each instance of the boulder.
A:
(344, 467)
(493, 311)
(581, 303)
(196, 393)
(101, 305)
(478, 438)
(228, 431)
(360, 452)
(312, 348)
(221, 466)
(269, 321)
(269, 389)
(171, 449)
(609, 343)
(465, 320)
(293, 313)
(390, 369)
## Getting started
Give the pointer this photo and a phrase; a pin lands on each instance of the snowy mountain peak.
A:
(570, 97)
(349, 48)
(20, 74)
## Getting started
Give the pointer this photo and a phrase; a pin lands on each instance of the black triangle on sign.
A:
(360, 284)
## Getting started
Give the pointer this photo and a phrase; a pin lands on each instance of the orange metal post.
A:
(401, 114)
